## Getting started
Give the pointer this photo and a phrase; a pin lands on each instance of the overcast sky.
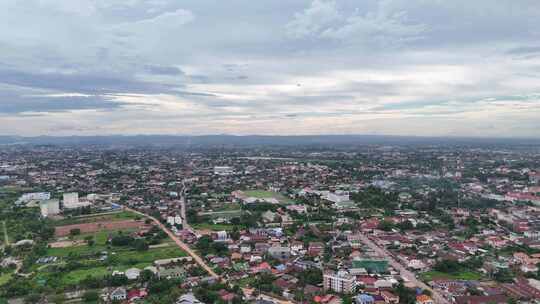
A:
(403, 67)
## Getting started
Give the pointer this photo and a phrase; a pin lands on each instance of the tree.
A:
(385, 225)
(146, 275)
(75, 231)
(140, 245)
(91, 296)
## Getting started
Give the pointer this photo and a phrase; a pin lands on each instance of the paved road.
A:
(185, 223)
(437, 297)
(180, 244)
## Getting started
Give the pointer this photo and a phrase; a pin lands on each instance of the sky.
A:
(194, 67)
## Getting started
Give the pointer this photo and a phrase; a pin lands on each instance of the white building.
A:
(174, 220)
(71, 200)
(337, 197)
(133, 273)
(49, 207)
(340, 281)
(34, 196)
(223, 170)
(188, 299)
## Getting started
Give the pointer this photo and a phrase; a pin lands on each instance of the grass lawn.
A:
(80, 250)
(108, 216)
(101, 237)
(269, 194)
(213, 227)
(124, 259)
(260, 193)
(228, 207)
(4, 278)
(463, 275)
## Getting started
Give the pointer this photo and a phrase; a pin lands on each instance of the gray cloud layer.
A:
(272, 67)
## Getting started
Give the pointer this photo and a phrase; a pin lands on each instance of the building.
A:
(534, 177)
(49, 207)
(71, 200)
(280, 253)
(223, 170)
(119, 294)
(174, 220)
(133, 273)
(340, 281)
(424, 299)
(364, 299)
(188, 298)
(337, 197)
(34, 196)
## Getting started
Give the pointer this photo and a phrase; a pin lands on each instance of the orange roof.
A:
(423, 298)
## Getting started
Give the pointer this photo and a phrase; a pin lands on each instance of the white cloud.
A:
(383, 25)
(311, 22)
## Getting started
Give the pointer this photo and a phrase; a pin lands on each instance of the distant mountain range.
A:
(259, 140)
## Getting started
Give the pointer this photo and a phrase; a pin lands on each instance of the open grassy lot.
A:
(213, 227)
(119, 259)
(268, 194)
(463, 275)
(4, 278)
(98, 217)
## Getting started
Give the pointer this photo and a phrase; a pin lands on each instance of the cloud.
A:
(199, 66)
(11, 103)
(80, 82)
(524, 50)
(313, 20)
(323, 20)
(164, 70)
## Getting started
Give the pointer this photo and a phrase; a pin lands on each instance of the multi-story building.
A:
(71, 200)
(49, 207)
(340, 281)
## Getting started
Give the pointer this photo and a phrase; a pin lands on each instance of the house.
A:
(496, 299)
(188, 298)
(133, 273)
(364, 299)
(380, 284)
(136, 294)
(327, 299)
(389, 297)
(118, 294)
(280, 253)
(315, 248)
(424, 299)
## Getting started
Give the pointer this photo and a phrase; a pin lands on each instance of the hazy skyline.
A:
(434, 68)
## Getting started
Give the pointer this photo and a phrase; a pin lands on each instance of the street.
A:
(408, 275)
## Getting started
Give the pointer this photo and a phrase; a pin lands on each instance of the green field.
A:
(213, 227)
(109, 216)
(124, 258)
(268, 194)
(463, 275)
(4, 278)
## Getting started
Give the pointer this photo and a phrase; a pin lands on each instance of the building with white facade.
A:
(223, 170)
(70, 200)
(340, 281)
(49, 207)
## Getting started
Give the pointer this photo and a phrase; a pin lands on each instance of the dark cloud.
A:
(16, 104)
(88, 83)
(525, 50)
(164, 70)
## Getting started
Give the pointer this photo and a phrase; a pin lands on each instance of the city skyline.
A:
(420, 68)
